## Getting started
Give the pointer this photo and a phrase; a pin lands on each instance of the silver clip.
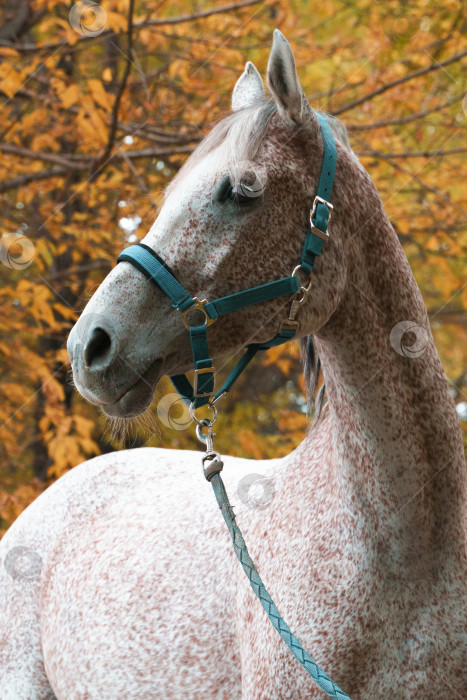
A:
(210, 440)
(206, 438)
(211, 460)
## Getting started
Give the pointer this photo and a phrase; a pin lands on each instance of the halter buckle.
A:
(198, 305)
(314, 229)
(203, 370)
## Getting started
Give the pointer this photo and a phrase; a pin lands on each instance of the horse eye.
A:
(224, 191)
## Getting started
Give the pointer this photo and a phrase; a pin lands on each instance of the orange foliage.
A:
(60, 229)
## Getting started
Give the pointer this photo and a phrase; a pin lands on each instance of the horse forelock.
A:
(238, 137)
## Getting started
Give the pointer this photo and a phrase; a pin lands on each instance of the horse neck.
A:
(397, 458)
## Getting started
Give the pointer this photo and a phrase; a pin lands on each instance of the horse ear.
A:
(283, 81)
(249, 89)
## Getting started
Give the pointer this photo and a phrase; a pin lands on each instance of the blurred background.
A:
(101, 103)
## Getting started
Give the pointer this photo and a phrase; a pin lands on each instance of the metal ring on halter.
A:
(197, 306)
(204, 421)
(304, 294)
(310, 281)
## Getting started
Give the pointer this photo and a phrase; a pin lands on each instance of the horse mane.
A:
(237, 138)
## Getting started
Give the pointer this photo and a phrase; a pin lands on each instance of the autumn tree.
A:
(101, 104)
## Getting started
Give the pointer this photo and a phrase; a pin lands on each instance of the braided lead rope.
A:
(249, 568)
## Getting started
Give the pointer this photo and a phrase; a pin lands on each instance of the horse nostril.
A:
(97, 348)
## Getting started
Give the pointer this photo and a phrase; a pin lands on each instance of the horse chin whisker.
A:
(126, 430)
(147, 423)
(117, 429)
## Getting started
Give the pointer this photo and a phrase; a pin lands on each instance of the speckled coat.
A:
(135, 591)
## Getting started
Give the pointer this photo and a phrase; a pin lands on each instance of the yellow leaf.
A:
(62, 356)
(84, 426)
(403, 225)
(70, 96)
(11, 82)
(65, 311)
(89, 446)
(97, 121)
(107, 75)
(6, 51)
(53, 390)
(116, 22)
(174, 68)
(44, 424)
(432, 243)
(99, 94)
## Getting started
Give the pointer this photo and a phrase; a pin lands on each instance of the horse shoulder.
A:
(138, 575)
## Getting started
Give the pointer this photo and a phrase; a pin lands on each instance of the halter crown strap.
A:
(321, 211)
(151, 264)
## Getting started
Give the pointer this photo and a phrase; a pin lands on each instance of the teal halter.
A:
(150, 264)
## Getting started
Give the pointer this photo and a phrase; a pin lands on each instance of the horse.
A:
(120, 579)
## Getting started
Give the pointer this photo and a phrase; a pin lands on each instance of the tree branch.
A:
(113, 127)
(410, 76)
(196, 15)
(45, 157)
(12, 28)
(82, 162)
(434, 190)
(78, 163)
(25, 179)
(23, 19)
(130, 128)
(142, 24)
(142, 185)
(417, 154)
(96, 265)
(405, 120)
(151, 153)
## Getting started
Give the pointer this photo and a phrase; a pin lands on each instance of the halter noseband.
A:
(151, 264)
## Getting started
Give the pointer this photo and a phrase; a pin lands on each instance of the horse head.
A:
(235, 216)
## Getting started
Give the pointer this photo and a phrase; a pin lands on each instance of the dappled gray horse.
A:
(130, 587)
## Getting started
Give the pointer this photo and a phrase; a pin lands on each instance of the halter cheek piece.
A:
(150, 264)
